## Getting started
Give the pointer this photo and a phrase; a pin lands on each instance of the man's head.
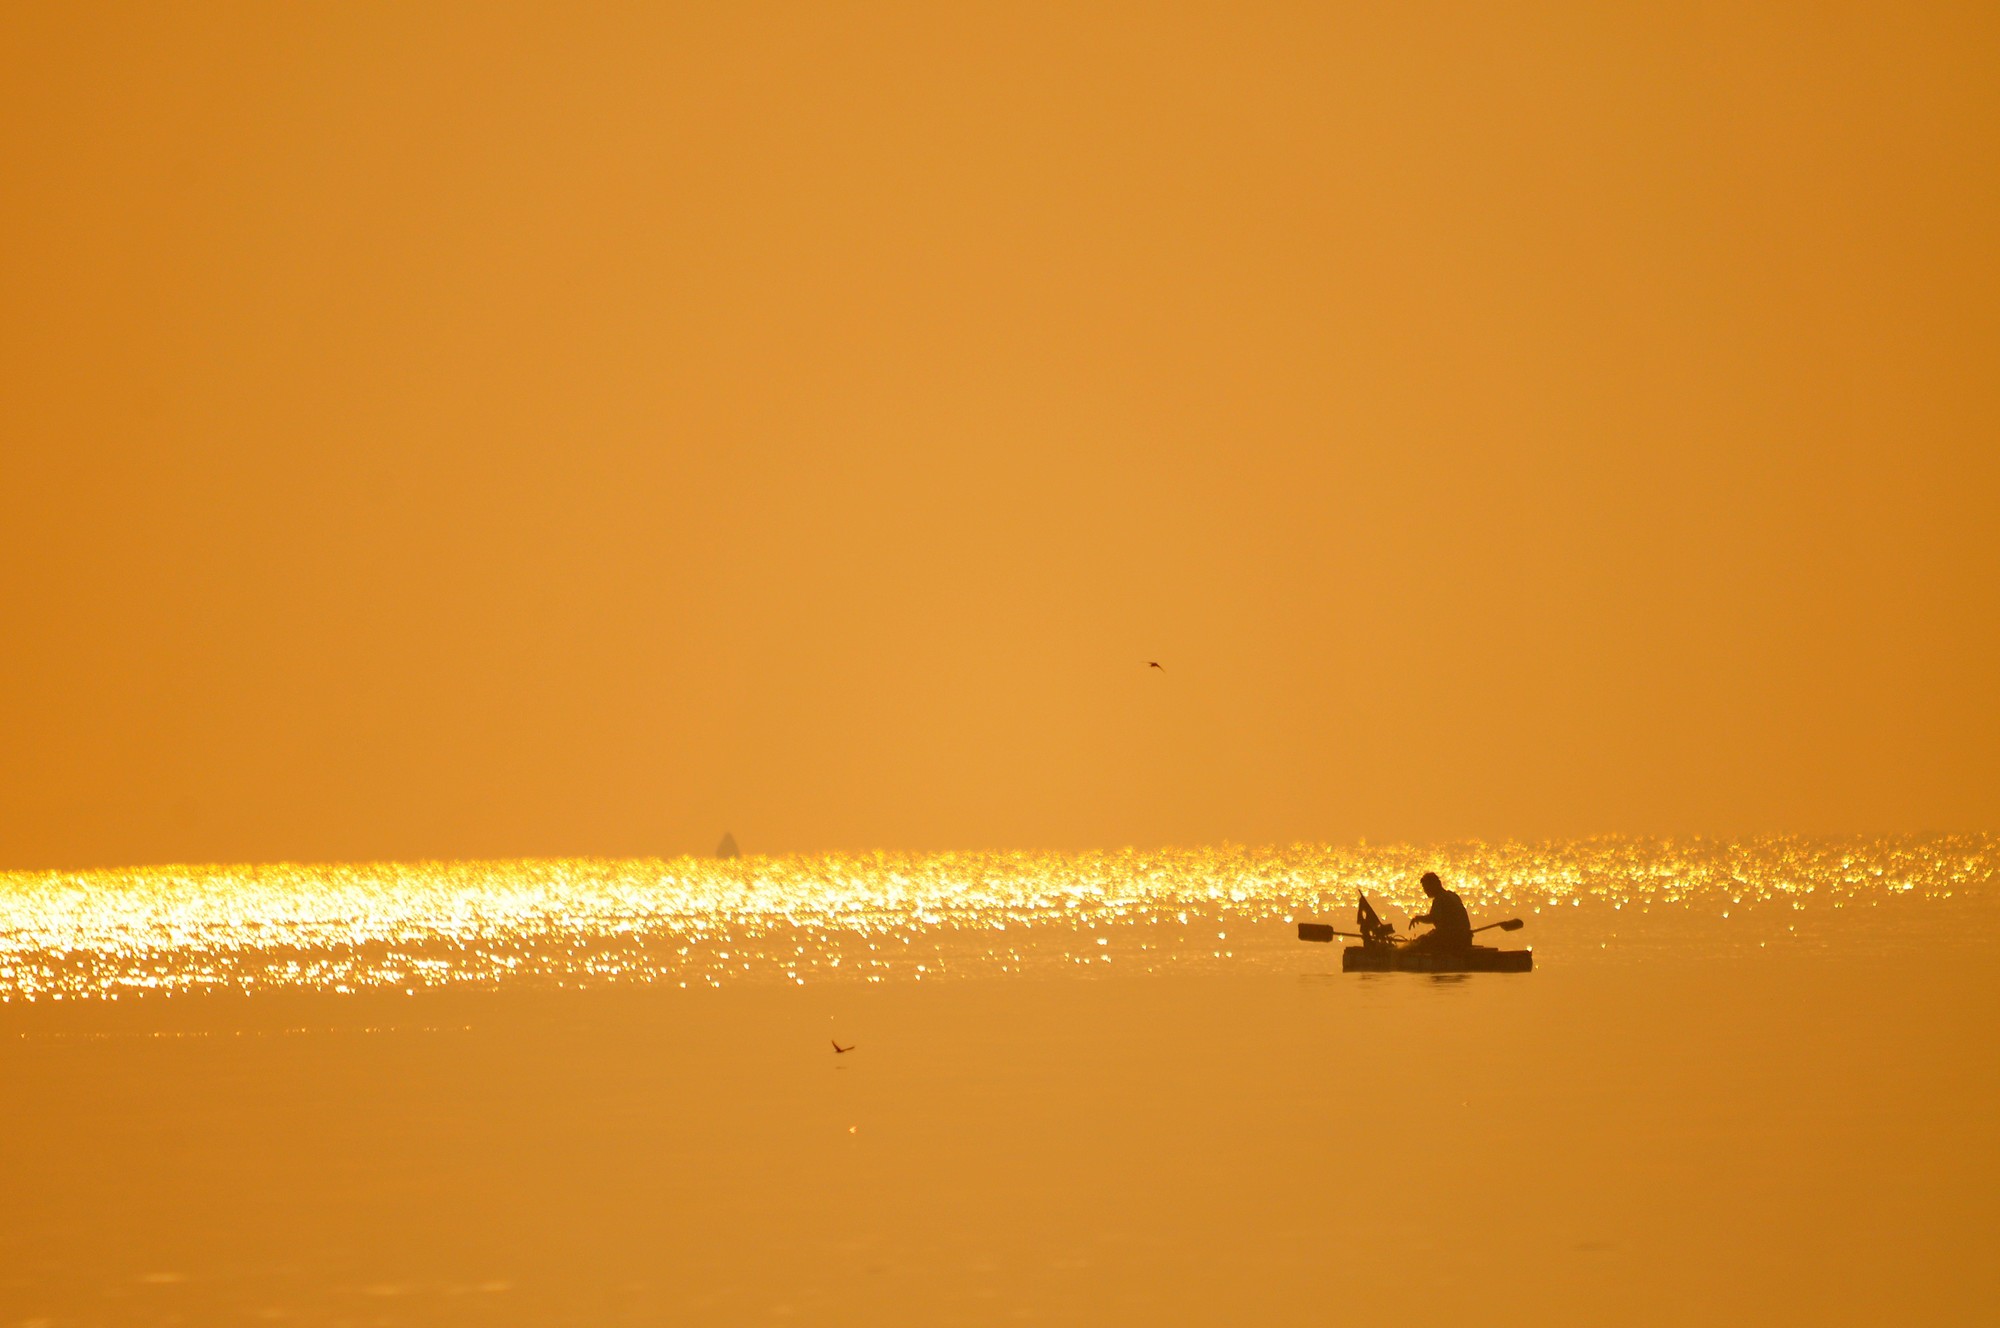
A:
(1432, 885)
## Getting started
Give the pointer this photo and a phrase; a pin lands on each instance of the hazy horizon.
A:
(750, 856)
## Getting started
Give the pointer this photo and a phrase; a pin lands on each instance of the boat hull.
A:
(1480, 959)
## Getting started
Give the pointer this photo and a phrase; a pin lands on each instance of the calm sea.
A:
(1748, 1082)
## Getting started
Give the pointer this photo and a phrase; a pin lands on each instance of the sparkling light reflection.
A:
(696, 922)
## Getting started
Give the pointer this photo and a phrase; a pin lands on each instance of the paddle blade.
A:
(1512, 924)
(1315, 931)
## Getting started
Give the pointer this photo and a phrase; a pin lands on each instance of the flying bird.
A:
(1154, 664)
(839, 1050)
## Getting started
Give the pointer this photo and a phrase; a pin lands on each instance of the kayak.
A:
(1382, 951)
(1395, 959)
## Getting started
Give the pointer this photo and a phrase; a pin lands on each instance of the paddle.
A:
(1320, 931)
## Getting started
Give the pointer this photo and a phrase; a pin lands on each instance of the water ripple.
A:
(871, 917)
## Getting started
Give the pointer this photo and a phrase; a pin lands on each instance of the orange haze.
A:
(445, 431)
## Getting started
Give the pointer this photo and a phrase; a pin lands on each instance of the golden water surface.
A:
(870, 917)
(1747, 1082)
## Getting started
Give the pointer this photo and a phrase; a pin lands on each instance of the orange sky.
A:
(490, 431)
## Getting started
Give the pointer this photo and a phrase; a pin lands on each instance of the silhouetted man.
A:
(1451, 929)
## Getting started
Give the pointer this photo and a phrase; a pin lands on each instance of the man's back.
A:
(1449, 921)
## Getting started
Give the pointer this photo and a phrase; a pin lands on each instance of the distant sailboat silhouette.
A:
(727, 848)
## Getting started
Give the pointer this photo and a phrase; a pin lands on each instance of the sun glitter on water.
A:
(876, 917)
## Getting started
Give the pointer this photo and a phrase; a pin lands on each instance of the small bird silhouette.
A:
(839, 1050)
(1154, 664)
